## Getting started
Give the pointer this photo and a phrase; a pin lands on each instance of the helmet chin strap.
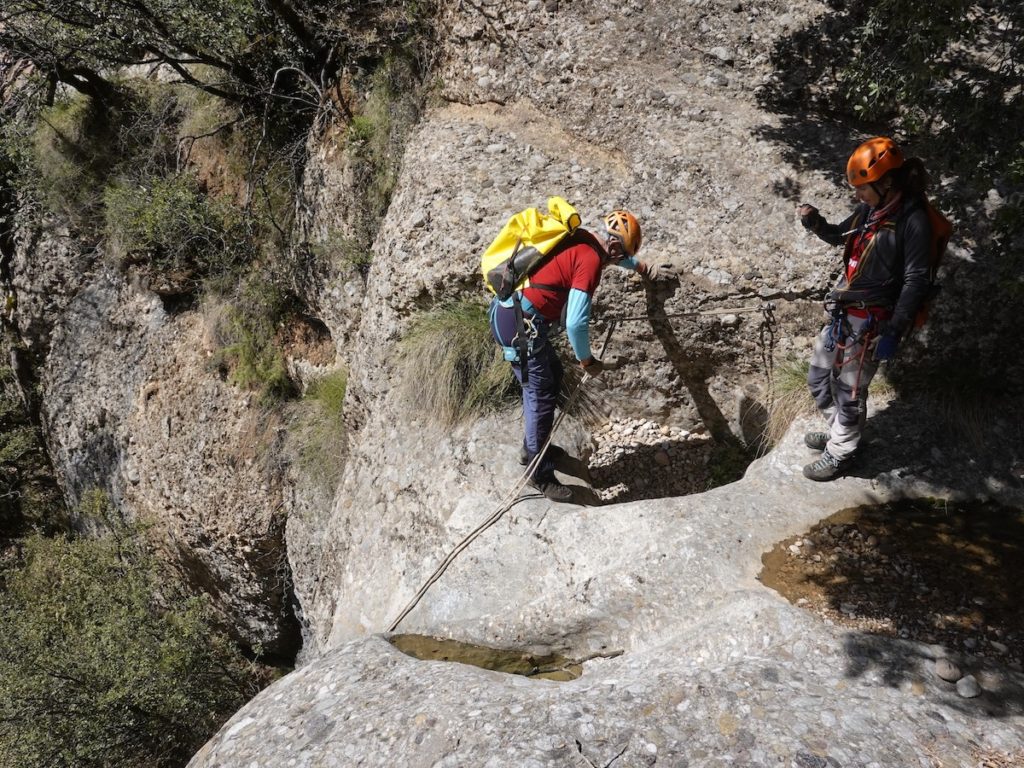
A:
(881, 193)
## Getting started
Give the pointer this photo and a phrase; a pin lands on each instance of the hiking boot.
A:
(552, 489)
(816, 440)
(826, 468)
(555, 453)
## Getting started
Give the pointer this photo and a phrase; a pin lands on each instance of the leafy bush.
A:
(169, 223)
(247, 332)
(101, 665)
(451, 367)
(29, 496)
(73, 151)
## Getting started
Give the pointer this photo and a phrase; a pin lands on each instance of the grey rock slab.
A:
(714, 666)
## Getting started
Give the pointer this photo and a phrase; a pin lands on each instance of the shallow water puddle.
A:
(548, 666)
(919, 569)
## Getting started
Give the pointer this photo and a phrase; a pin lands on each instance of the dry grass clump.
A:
(450, 366)
(787, 399)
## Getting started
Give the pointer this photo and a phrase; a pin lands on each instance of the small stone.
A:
(947, 670)
(968, 687)
(724, 55)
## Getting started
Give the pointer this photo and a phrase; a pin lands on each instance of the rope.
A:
(767, 307)
(507, 501)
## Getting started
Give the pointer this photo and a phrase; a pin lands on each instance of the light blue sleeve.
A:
(577, 317)
(629, 262)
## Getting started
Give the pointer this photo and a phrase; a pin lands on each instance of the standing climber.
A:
(563, 285)
(885, 279)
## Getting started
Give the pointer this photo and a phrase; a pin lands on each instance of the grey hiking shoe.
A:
(555, 453)
(816, 440)
(552, 489)
(826, 467)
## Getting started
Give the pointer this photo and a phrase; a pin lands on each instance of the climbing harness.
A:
(840, 329)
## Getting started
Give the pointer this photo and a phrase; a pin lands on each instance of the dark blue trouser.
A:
(544, 381)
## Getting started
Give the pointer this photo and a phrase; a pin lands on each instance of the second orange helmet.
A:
(872, 160)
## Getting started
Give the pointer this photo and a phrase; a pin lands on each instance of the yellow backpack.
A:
(523, 243)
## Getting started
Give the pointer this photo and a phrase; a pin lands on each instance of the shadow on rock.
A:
(900, 663)
(667, 468)
(947, 444)
(919, 580)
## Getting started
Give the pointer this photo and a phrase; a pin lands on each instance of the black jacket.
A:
(894, 270)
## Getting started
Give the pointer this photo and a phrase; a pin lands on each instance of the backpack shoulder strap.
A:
(579, 237)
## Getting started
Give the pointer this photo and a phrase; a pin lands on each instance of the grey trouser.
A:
(838, 379)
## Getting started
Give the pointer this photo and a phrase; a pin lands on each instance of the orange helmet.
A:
(627, 228)
(872, 160)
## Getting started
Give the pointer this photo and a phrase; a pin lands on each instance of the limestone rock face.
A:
(42, 287)
(132, 406)
(579, 112)
(715, 666)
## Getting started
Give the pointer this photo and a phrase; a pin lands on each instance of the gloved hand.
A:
(592, 366)
(885, 347)
(809, 216)
(654, 272)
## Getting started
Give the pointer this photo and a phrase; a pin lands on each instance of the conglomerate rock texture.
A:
(608, 110)
(715, 668)
(649, 105)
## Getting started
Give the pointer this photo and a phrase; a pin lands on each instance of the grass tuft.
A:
(318, 435)
(450, 366)
(788, 398)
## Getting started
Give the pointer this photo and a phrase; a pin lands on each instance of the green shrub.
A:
(73, 151)
(29, 496)
(329, 393)
(169, 223)
(318, 434)
(248, 333)
(102, 665)
(450, 366)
